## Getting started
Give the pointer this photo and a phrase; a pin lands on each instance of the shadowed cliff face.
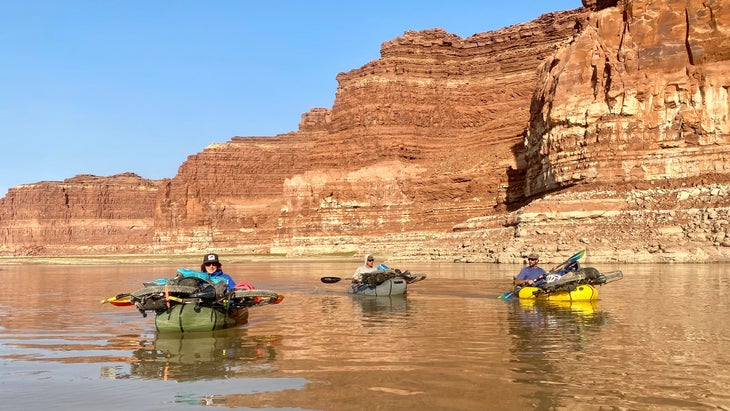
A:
(602, 128)
(640, 95)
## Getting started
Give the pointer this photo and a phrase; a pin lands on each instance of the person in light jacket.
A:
(367, 267)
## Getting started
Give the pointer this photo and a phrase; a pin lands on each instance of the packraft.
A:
(383, 282)
(568, 281)
(195, 301)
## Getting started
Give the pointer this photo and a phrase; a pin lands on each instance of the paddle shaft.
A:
(332, 280)
(573, 258)
(116, 297)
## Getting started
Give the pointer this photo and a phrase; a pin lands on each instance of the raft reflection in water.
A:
(195, 356)
(539, 322)
(551, 337)
(394, 304)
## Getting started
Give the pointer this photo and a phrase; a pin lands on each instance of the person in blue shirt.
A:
(212, 266)
(529, 275)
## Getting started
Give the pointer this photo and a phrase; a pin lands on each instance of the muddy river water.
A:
(656, 340)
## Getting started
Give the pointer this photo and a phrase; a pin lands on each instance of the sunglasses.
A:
(370, 261)
(209, 264)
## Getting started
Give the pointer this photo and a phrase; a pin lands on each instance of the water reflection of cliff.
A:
(187, 357)
(549, 336)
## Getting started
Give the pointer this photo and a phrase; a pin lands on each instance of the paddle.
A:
(411, 278)
(393, 273)
(575, 257)
(119, 300)
(330, 280)
(125, 300)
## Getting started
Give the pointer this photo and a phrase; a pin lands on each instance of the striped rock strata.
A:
(604, 128)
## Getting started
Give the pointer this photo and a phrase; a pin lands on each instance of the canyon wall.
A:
(82, 215)
(640, 95)
(604, 127)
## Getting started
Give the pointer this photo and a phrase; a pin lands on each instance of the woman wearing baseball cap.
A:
(212, 266)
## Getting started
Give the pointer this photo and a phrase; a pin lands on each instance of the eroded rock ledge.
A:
(604, 128)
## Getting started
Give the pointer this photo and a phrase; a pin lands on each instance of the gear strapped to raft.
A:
(571, 280)
(376, 278)
(161, 295)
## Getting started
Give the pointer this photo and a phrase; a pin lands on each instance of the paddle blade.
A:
(330, 280)
(506, 295)
(573, 258)
(414, 278)
(124, 302)
(577, 256)
(120, 300)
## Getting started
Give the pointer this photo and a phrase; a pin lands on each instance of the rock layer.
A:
(604, 128)
(82, 215)
(638, 96)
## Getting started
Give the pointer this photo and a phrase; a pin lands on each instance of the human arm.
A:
(358, 274)
(523, 282)
(528, 281)
(529, 276)
(220, 276)
(231, 282)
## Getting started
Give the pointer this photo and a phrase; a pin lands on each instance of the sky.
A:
(105, 87)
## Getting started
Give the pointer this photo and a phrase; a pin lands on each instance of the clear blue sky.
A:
(110, 86)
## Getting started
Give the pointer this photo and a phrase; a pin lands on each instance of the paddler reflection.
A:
(549, 335)
(560, 319)
(193, 356)
(372, 306)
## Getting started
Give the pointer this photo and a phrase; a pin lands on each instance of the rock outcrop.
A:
(640, 95)
(604, 127)
(82, 215)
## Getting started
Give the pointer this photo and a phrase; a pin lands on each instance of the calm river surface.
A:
(656, 340)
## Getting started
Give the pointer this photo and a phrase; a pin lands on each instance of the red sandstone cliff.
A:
(81, 215)
(603, 128)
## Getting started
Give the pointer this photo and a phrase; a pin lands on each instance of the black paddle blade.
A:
(330, 280)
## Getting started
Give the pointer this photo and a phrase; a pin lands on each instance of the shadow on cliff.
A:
(514, 196)
(514, 192)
